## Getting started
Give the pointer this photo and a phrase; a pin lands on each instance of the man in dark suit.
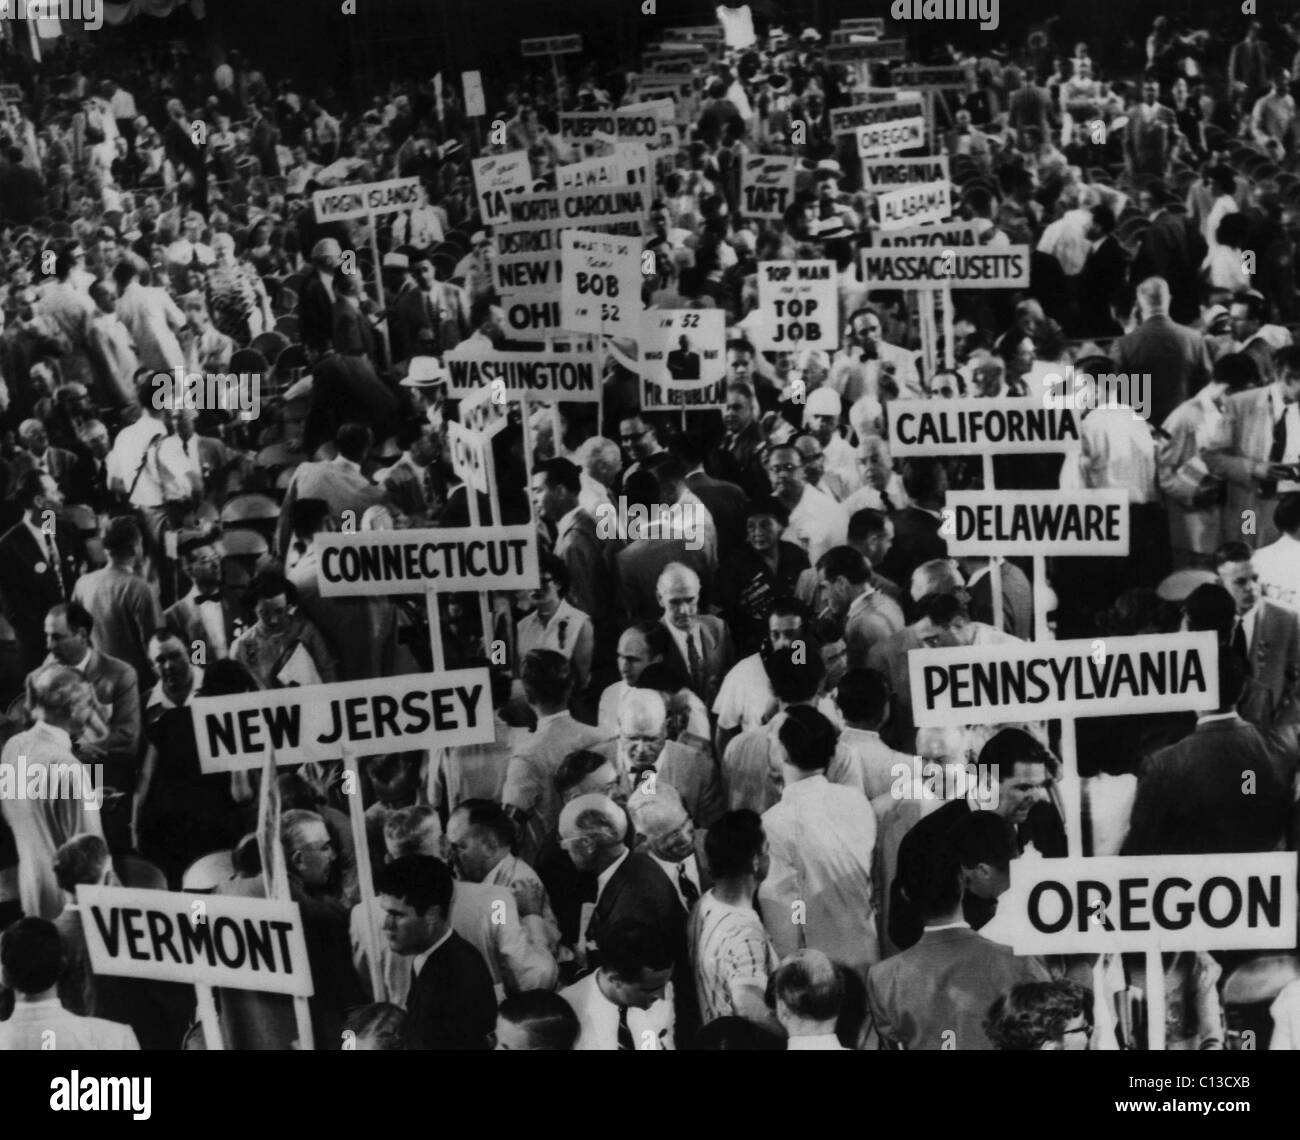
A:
(1172, 248)
(39, 564)
(316, 296)
(1266, 638)
(726, 502)
(1102, 277)
(701, 648)
(629, 886)
(1175, 357)
(209, 613)
(683, 364)
(88, 484)
(1191, 796)
(435, 316)
(935, 994)
(916, 528)
(451, 1004)
(352, 334)
(113, 733)
(37, 454)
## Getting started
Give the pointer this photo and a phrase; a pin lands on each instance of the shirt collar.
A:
(36, 532)
(958, 925)
(58, 735)
(418, 962)
(84, 664)
(602, 880)
(568, 520)
(160, 699)
(340, 461)
(813, 1041)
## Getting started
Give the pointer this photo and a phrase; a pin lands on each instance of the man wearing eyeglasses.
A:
(639, 440)
(817, 522)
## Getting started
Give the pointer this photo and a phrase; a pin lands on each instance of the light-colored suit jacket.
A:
(1249, 431)
(530, 777)
(1272, 697)
(936, 994)
(338, 482)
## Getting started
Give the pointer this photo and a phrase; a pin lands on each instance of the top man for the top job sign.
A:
(798, 304)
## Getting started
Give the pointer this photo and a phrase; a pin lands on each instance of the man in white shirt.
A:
(731, 952)
(1278, 564)
(623, 1004)
(868, 363)
(817, 522)
(62, 702)
(822, 415)
(942, 622)
(32, 957)
(809, 993)
(822, 840)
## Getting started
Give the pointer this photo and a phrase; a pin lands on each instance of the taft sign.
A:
(1027, 681)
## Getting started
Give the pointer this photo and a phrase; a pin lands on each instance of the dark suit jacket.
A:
(352, 334)
(727, 503)
(1100, 282)
(346, 389)
(1273, 696)
(639, 890)
(944, 984)
(88, 485)
(61, 464)
(1171, 248)
(117, 688)
(315, 313)
(684, 365)
(1190, 797)
(451, 1004)
(29, 585)
(1175, 356)
(718, 656)
(183, 617)
(916, 540)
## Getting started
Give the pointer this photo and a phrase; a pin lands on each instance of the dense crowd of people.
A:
(694, 826)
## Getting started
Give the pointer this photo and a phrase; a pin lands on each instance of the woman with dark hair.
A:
(1041, 1015)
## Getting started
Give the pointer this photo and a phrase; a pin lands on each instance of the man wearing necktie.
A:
(622, 1005)
(206, 614)
(38, 564)
(701, 641)
(1260, 453)
(660, 817)
(1266, 638)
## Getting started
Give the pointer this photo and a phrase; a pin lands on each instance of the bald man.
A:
(642, 747)
(700, 643)
(660, 818)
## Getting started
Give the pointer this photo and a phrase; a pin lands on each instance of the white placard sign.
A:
(342, 203)
(315, 722)
(914, 205)
(683, 347)
(889, 173)
(600, 291)
(1027, 681)
(475, 104)
(382, 562)
(537, 375)
(468, 456)
(1052, 523)
(767, 185)
(1166, 903)
(889, 137)
(196, 939)
(972, 426)
(799, 303)
(981, 268)
(497, 176)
